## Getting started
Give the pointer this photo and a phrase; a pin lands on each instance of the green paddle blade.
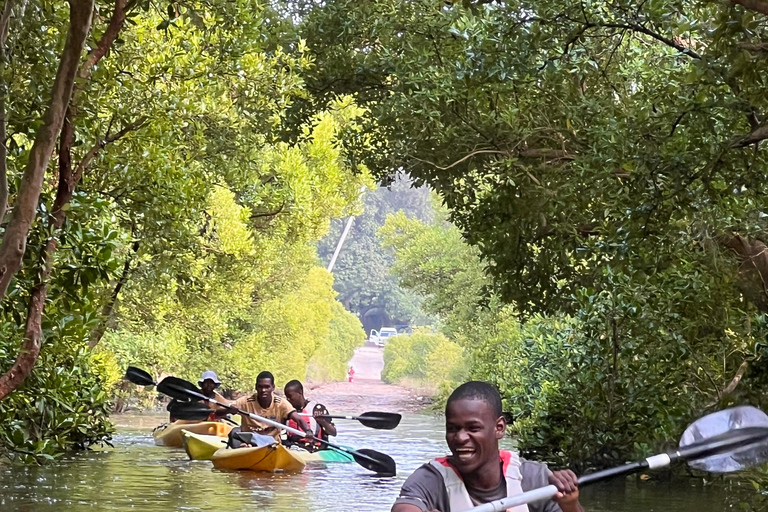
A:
(378, 462)
(380, 420)
(139, 377)
(191, 411)
(180, 389)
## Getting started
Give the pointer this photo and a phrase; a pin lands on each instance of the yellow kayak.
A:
(273, 457)
(200, 446)
(171, 435)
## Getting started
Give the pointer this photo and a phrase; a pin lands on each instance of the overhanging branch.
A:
(756, 136)
(94, 151)
(549, 154)
(760, 6)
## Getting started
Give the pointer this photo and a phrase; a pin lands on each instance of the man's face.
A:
(295, 397)
(472, 432)
(264, 389)
(208, 386)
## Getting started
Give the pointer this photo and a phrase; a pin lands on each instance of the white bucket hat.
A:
(209, 375)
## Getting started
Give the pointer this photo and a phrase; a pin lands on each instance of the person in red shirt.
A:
(351, 373)
(311, 411)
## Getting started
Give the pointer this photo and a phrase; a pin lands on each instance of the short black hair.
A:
(294, 384)
(266, 375)
(477, 390)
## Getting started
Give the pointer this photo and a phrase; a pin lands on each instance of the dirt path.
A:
(367, 392)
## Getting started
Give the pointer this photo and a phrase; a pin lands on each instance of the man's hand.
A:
(568, 490)
(325, 424)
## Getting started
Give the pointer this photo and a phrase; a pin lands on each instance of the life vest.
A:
(316, 429)
(458, 497)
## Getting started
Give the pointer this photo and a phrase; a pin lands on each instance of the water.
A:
(136, 475)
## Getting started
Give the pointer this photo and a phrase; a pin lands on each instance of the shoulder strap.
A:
(458, 497)
(512, 469)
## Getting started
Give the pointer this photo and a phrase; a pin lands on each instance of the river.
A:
(136, 475)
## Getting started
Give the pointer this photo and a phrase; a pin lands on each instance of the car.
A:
(384, 334)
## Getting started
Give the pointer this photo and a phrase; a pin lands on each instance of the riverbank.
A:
(367, 391)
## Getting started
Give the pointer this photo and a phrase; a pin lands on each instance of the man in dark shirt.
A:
(477, 472)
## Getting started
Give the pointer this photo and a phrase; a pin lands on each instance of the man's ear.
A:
(501, 427)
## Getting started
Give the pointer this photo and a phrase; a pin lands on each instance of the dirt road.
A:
(367, 392)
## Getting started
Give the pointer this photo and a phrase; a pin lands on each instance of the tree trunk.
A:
(15, 238)
(753, 270)
(33, 332)
(68, 178)
(5, 21)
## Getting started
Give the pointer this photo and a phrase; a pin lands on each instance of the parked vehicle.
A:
(380, 338)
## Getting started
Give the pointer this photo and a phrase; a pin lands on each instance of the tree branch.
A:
(551, 154)
(760, 6)
(758, 135)
(754, 47)
(669, 42)
(735, 381)
(731, 387)
(268, 214)
(105, 43)
(94, 151)
(106, 312)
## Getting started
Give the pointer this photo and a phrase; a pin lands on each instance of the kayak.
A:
(272, 457)
(200, 446)
(323, 456)
(171, 435)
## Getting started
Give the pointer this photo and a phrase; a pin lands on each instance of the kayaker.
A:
(321, 428)
(208, 383)
(265, 404)
(477, 472)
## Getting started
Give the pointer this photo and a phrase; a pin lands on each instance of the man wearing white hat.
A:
(208, 384)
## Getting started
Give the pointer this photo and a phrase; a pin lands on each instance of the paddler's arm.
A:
(303, 425)
(399, 507)
(327, 425)
(223, 411)
(568, 486)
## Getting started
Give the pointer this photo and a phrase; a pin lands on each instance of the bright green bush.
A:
(329, 362)
(423, 356)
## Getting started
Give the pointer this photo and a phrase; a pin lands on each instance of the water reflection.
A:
(136, 475)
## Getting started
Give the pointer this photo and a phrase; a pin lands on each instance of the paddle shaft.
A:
(333, 417)
(288, 429)
(725, 443)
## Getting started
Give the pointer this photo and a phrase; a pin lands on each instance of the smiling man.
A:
(477, 472)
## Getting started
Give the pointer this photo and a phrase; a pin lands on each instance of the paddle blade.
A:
(380, 420)
(139, 376)
(744, 428)
(179, 389)
(378, 462)
(191, 411)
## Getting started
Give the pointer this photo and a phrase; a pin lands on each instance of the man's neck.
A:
(261, 402)
(486, 477)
